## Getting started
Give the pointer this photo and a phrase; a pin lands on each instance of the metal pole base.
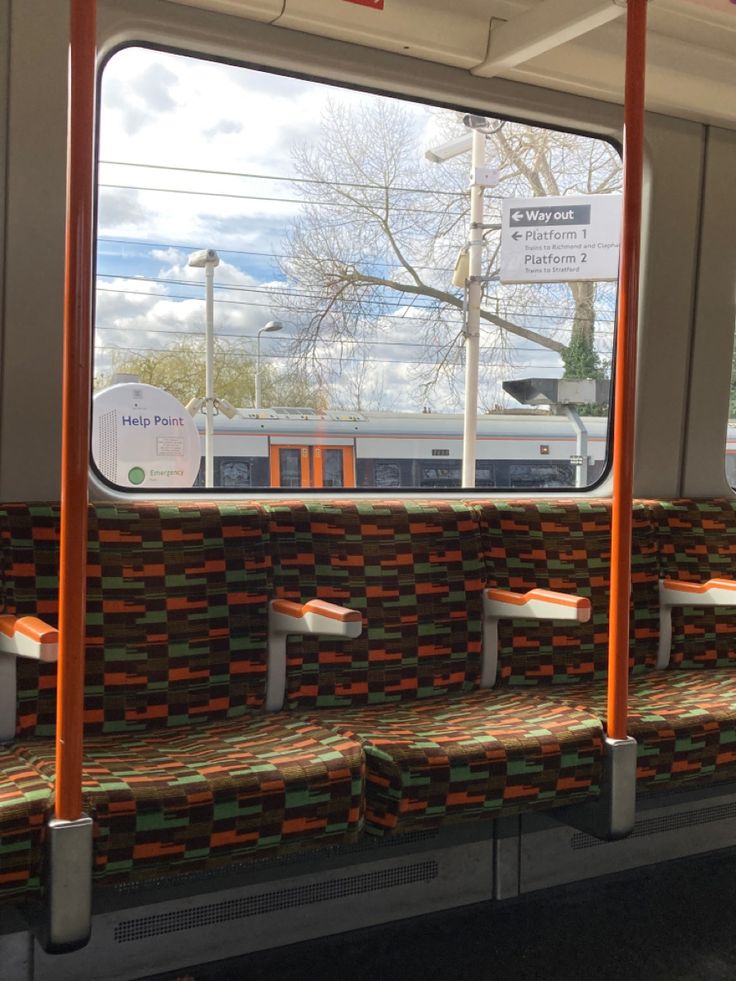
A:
(68, 896)
(611, 815)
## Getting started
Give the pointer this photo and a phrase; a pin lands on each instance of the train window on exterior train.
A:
(314, 246)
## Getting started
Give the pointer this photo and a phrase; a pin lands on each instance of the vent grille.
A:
(304, 856)
(668, 822)
(271, 902)
(108, 444)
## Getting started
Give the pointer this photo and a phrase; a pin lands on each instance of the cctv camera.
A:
(448, 150)
(204, 257)
(227, 408)
(475, 122)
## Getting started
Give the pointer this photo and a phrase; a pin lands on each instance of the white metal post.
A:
(472, 322)
(209, 400)
(581, 445)
(258, 369)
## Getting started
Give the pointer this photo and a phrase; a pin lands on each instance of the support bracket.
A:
(612, 815)
(67, 922)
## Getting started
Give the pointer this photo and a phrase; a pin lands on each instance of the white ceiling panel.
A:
(263, 10)
(449, 33)
(691, 70)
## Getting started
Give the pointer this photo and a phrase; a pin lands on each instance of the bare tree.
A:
(370, 255)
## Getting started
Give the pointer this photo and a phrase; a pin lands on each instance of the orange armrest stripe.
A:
(320, 607)
(548, 595)
(698, 588)
(31, 627)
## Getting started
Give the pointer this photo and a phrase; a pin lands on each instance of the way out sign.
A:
(557, 240)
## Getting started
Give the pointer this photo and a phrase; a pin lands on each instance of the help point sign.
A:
(143, 437)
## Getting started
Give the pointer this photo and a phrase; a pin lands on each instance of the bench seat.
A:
(201, 796)
(483, 753)
(25, 801)
(684, 723)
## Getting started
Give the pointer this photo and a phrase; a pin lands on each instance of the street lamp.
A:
(208, 259)
(270, 327)
(481, 177)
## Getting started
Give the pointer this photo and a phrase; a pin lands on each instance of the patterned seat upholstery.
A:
(178, 762)
(435, 746)
(684, 723)
(566, 546)
(25, 803)
(698, 542)
(176, 612)
(414, 571)
(203, 796)
(472, 755)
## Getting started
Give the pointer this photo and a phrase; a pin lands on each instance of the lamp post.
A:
(208, 259)
(481, 177)
(270, 327)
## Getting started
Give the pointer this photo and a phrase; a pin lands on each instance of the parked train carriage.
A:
(288, 714)
(379, 451)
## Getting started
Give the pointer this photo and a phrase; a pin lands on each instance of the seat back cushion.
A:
(697, 542)
(177, 620)
(566, 546)
(414, 571)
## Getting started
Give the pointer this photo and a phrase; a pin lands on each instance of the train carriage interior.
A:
(367, 464)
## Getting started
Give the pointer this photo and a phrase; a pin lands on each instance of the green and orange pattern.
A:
(205, 795)
(471, 755)
(176, 612)
(684, 723)
(698, 542)
(25, 805)
(566, 546)
(412, 569)
(182, 772)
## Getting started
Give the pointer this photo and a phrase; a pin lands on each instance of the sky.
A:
(197, 154)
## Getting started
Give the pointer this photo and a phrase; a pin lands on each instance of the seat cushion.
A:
(202, 796)
(25, 803)
(683, 721)
(471, 755)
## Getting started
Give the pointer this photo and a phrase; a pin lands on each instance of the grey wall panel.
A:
(31, 391)
(670, 232)
(715, 317)
(4, 68)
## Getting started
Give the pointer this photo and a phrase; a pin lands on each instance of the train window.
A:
(731, 433)
(314, 245)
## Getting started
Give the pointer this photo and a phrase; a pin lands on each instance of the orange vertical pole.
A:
(75, 408)
(625, 386)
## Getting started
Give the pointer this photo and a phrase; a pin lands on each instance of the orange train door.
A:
(312, 466)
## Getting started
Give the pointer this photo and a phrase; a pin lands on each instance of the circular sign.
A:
(143, 437)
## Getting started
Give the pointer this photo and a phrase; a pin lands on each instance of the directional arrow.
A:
(516, 236)
(517, 215)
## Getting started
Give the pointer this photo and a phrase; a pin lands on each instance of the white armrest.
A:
(20, 637)
(28, 637)
(537, 604)
(314, 618)
(673, 592)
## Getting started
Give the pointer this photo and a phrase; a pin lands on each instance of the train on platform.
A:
(288, 448)
(301, 692)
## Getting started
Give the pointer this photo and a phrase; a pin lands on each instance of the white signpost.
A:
(558, 240)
